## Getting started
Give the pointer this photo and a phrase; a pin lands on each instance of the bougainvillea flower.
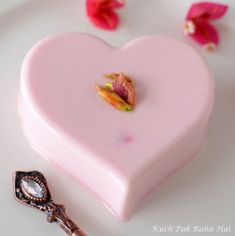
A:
(102, 14)
(197, 23)
(206, 11)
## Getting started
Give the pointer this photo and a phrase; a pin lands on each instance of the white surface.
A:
(200, 194)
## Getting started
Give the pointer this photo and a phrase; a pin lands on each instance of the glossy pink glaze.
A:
(119, 156)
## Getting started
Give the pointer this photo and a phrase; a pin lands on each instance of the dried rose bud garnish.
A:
(123, 86)
(197, 23)
(120, 92)
(102, 14)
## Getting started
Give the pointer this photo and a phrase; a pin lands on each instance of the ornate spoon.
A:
(30, 188)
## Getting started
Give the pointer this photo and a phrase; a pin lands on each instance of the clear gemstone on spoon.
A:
(32, 188)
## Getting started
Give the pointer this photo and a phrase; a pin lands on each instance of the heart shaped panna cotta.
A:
(119, 156)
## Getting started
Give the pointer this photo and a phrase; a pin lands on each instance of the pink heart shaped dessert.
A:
(120, 156)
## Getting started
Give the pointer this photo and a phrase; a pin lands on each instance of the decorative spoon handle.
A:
(56, 213)
(31, 189)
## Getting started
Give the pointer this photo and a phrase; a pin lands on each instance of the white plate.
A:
(200, 194)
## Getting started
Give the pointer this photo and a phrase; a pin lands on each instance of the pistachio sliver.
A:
(112, 76)
(109, 85)
(114, 99)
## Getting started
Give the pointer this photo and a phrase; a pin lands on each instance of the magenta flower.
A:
(102, 14)
(198, 23)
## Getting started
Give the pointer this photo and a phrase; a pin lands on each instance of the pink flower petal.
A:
(205, 34)
(105, 20)
(206, 11)
(101, 13)
(114, 3)
(104, 4)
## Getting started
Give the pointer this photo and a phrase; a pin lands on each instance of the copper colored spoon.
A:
(30, 188)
